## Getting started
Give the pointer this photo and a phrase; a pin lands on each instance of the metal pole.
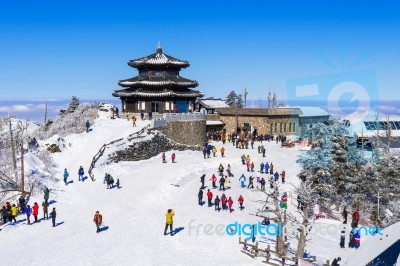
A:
(378, 205)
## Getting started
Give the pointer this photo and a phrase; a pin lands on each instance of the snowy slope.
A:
(134, 215)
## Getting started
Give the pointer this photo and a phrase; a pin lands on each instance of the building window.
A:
(284, 127)
(280, 127)
(141, 106)
(166, 106)
(276, 128)
(272, 127)
(294, 127)
(155, 107)
(290, 127)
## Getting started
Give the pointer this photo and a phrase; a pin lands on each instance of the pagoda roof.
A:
(141, 92)
(163, 81)
(158, 59)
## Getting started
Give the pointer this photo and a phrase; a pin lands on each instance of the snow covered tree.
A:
(72, 107)
(234, 100)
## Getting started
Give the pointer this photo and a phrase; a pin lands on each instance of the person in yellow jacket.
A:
(214, 151)
(14, 211)
(169, 221)
(247, 158)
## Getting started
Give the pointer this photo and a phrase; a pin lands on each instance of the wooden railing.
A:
(102, 149)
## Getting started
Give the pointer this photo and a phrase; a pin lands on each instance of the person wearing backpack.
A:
(66, 175)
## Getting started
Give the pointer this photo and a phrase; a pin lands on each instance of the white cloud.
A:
(22, 108)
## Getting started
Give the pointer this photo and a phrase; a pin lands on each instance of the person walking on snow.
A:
(213, 180)
(248, 166)
(224, 201)
(243, 159)
(80, 173)
(200, 196)
(230, 203)
(164, 157)
(216, 203)
(228, 170)
(66, 175)
(262, 168)
(105, 180)
(242, 180)
(35, 211)
(221, 169)
(134, 121)
(222, 151)
(209, 197)
(98, 219)
(271, 169)
(87, 126)
(262, 182)
(241, 200)
(169, 221)
(202, 180)
(283, 176)
(117, 183)
(45, 206)
(28, 214)
(251, 178)
(53, 215)
(173, 157)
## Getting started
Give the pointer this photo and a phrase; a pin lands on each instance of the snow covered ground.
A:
(134, 216)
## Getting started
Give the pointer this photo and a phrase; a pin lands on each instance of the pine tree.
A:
(234, 100)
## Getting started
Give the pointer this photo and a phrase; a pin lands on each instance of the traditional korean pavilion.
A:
(158, 88)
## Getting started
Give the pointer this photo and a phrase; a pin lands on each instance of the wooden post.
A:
(256, 249)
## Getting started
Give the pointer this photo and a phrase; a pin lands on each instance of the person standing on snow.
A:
(214, 151)
(200, 196)
(262, 182)
(344, 214)
(276, 176)
(230, 203)
(164, 157)
(209, 197)
(28, 214)
(87, 126)
(222, 184)
(224, 201)
(222, 151)
(266, 167)
(342, 238)
(283, 176)
(228, 170)
(227, 182)
(105, 179)
(357, 240)
(252, 166)
(242, 180)
(271, 169)
(45, 206)
(241, 200)
(213, 180)
(169, 221)
(216, 203)
(117, 183)
(66, 175)
(262, 168)
(80, 173)
(204, 152)
(46, 194)
(258, 177)
(53, 215)
(134, 121)
(173, 157)
(98, 219)
(14, 211)
(35, 211)
(21, 202)
(221, 169)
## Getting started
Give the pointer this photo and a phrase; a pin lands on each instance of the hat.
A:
(97, 211)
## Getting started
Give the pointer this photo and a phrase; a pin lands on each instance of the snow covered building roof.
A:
(212, 103)
(259, 111)
(380, 249)
(311, 111)
(372, 125)
(165, 79)
(158, 59)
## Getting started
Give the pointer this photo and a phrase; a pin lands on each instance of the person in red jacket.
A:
(241, 200)
(209, 197)
(35, 211)
(230, 203)
(214, 180)
(283, 176)
(173, 157)
(224, 201)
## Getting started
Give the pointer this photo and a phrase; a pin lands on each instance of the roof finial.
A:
(159, 49)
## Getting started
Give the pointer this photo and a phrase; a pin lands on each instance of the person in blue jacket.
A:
(81, 173)
(27, 211)
(266, 167)
(276, 176)
(242, 180)
(66, 175)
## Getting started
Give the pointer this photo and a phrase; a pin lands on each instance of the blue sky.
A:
(56, 49)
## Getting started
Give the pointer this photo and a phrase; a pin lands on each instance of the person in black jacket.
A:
(222, 183)
(344, 214)
(335, 262)
(216, 203)
(53, 215)
(200, 196)
(202, 180)
(21, 201)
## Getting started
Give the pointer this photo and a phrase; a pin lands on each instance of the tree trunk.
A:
(22, 171)
(302, 238)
